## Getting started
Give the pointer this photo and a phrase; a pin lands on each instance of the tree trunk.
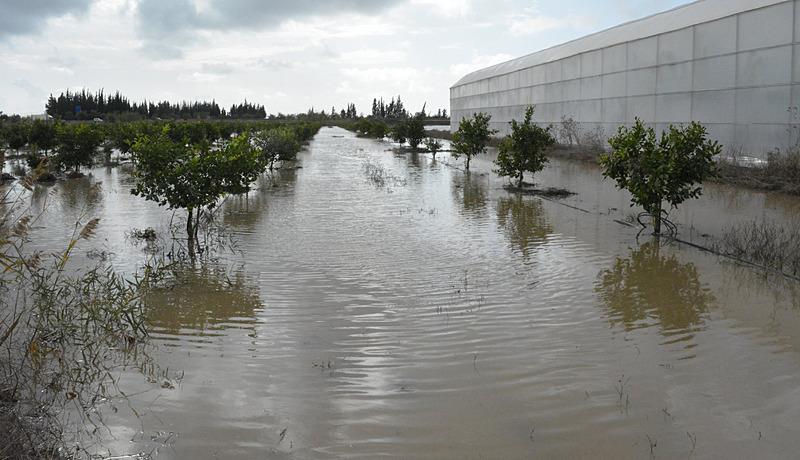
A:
(521, 175)
(190, 230)
(197, 223)
(657, 220)
(468, 158)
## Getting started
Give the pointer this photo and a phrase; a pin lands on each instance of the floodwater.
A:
(432, 314)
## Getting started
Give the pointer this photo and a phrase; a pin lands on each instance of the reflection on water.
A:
(524, 221)
(651, 288)
(204, 299)
(469, 190)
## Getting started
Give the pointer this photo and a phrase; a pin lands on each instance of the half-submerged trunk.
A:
(190, 230)
(657, 220)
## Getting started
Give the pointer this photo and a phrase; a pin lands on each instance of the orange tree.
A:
(656, 170)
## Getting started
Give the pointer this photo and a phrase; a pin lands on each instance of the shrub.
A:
(190, 177)
(668, 169)
(569, 132)
(77, 144)
(472, 136)
(433, 146)
(524, 149)
(276, 144)
(415, 130)
(398, 133)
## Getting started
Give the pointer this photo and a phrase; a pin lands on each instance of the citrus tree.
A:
(472, 136)
(43, 135)
(433, 146)
(77, 144)
(657, 170)
(276, 144)
(398, 133)
(415, 130)
(185, 176)
(524, 149)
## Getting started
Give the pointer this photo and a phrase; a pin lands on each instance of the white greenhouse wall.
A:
(733, 65)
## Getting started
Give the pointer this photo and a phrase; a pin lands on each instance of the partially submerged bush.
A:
(276, 145)
(654, 171)
(375, 129)
(433, 146)
(472, 137)
(182, 176)
(766, 243)
(415, 130)
(524, 150)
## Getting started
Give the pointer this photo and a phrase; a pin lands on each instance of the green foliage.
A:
(43, 134)
(77, 144)
(472, 136)
(191, 177)
(398, 133)
(524, 149)
(415, 130)
(433, 146)
(276, 144)
(65, 334)
(375, 129)
(658, 170)
(17, 134)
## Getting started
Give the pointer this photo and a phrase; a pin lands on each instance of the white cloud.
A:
(532, 21)
(446, 8)
(477, 63)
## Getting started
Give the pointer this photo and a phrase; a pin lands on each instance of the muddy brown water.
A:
(431, 314)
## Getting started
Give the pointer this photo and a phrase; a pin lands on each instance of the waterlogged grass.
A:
(765, 243)
(65, 334)
(380, 177)
(780, 171)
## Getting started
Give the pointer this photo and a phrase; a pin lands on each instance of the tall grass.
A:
(766, 243)
(780, 171)
(64, 335)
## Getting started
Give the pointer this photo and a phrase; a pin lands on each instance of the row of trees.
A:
(70, 146)
(395, 110)
(85, 105)
(194, 176)
(655, 170)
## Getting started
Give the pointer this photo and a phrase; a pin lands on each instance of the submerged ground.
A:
(384, 304)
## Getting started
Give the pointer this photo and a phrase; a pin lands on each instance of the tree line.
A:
(85, 105)
(395, 110)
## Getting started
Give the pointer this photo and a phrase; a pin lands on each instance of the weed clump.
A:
(765, 243)
(780, 172)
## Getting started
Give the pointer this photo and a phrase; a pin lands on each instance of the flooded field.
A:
(386, 305)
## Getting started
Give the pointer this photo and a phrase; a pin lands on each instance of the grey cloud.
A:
(21, 17)
(274, 64)
(217, 69)
(166, 26)
(29, 88)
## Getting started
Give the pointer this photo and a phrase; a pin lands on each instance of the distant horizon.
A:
(286, 56)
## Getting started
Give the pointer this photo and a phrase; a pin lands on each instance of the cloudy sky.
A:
(289, 55)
